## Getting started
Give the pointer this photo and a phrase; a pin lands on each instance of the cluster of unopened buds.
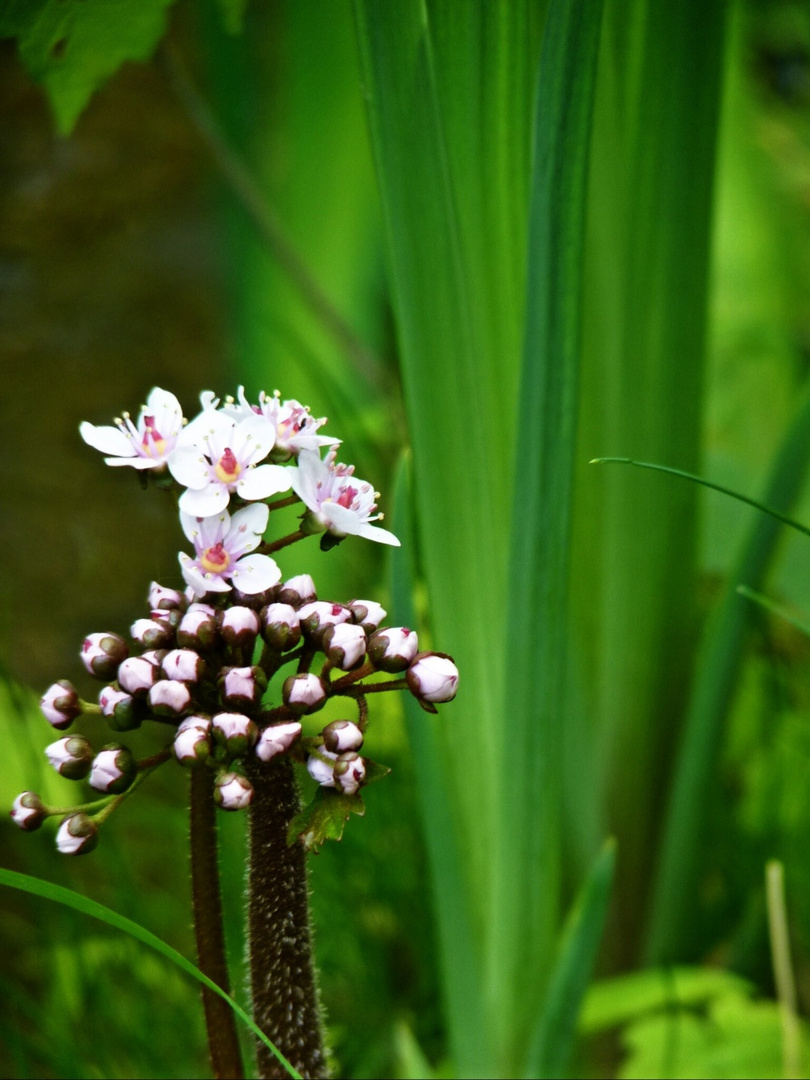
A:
(203, 661)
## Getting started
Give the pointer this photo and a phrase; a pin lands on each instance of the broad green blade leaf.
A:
(718, 664)
(529, 848)
(774, 608)
(553, 1040)
(73, 46)
(60, 895)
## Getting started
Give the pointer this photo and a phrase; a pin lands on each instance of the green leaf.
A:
(233, 15)
(60, 895)
(324, 818)
(553, 1040)
(71, 47)
(775, 609)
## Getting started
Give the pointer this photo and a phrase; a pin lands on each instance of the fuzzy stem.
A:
(223, 1042)
(285, 996)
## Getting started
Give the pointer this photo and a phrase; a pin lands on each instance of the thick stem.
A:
(220, 1023)
(285, 997)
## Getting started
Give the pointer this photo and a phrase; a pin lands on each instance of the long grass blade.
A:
(83, 904)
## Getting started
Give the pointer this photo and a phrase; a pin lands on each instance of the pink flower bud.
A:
(234, 731)
(121, 710)
(113, 770)
(345, 645)
(169, 697)
(280, 626)
(393, 648)
(276, 739)
(321, 767)
(303, 693)
(242, 686)
(315, 618)
(152, 633)
(102, 653)
(239, 626)
(367, 613)
(60, 704)
(342, 735)
(28, 811)
(162, 599)
(232, 791)
(185, 665)
(433, 677)
(198, 628)
(297, 591)
(71, 756)
(78, 835)
(192, 745)
(349, 773)
(137, 674)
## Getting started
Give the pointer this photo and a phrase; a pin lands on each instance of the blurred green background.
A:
(128, 261)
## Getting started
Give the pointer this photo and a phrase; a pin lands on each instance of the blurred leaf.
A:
(324, 818)
(233, 15)
(72, 47)
(553, 1040)
(411, 1061)
(50, 891)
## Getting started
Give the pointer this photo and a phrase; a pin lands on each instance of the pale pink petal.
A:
(214, 529)
(255, 573)
(253, 439)
(247, 528)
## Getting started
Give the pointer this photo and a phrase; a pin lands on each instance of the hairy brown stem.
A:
(285, 995)
(220, 1023)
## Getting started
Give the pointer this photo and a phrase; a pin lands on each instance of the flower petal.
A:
(255, 573)
(382, 536)
(263, 481)
(205, 502)
(109, 440)
(189, 467)
(247, 528)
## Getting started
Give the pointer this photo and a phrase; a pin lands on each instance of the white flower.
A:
(291, 423)
(217, 455)
(221, 544)
(150, 443)
(339, 503)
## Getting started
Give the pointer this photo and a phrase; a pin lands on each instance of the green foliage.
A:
(71, 47)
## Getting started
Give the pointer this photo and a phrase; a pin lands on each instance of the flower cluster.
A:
(203, 661)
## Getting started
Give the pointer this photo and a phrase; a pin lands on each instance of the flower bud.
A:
(433, 677)
(169, 697)
(256, 601)
(185, 665)
(28, 811)
(198, 628)
(162, 599)
(152, 633)
(303, 693)
(102, 653)
(192, 743)
(242, 687)
(137, 674)
(234, 731)
(280, 627)
(349, 773)
(315, 618)
(113, 770)
(276, 739)
(239, 625)
(78, 835)
(321, 767)
(367, 613)
(297, 591)
(345, 645)
(120, 709)
(60, 704)
(342, 735)
(393, 648)
(232, 791)
(71, 756)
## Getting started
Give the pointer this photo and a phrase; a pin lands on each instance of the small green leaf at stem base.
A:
(324, 818)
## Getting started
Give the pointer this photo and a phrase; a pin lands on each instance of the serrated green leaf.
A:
(71, 47)
(324, 818)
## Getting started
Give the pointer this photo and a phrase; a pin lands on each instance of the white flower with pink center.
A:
(337, 501)
(217, 455)
(294, 429)
(221, 545)
(147, 444)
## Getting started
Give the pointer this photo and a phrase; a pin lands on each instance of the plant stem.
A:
(285, 996)
(223, 1042)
